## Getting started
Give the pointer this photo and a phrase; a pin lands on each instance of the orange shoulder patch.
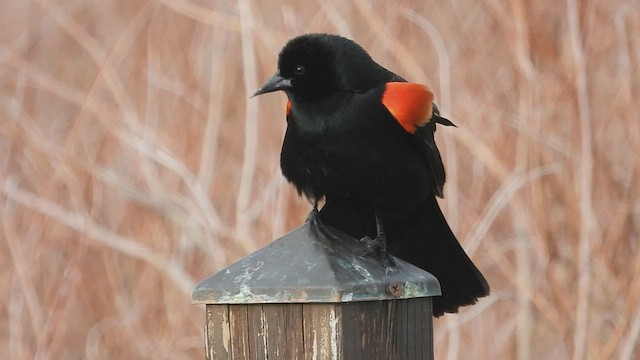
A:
(410, 104)
(288, 107)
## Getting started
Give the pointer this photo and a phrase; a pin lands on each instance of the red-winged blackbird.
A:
(362, 138)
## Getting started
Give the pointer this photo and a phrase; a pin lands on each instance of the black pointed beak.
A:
(276, 83)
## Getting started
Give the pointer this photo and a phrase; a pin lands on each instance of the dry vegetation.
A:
(133, 165)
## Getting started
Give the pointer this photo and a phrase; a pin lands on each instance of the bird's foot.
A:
(314, 215)
(378, 247)
(321, 230)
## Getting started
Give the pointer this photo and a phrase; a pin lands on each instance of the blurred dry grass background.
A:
(133, 165)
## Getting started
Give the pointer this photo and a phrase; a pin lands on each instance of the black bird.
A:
(362, 138)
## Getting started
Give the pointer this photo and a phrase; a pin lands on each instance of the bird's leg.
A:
(378, 245)
(313, 214)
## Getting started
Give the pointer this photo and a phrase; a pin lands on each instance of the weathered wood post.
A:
(312, 295)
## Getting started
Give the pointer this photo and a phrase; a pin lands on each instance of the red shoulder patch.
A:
(288, 107)
(410, 104)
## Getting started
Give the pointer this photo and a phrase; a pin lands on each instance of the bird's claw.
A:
(378, 247)
(313, 215)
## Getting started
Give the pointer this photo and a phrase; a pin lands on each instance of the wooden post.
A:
(312, 295)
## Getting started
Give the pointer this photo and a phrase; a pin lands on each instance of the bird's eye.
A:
(299, 70)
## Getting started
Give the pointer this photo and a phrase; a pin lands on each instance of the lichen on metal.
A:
(313, 263)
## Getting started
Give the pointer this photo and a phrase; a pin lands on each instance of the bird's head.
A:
(315, 66)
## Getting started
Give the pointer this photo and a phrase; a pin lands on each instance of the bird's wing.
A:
(411, 105)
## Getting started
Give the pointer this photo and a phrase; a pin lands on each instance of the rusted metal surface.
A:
(314, 263)
(396, 290)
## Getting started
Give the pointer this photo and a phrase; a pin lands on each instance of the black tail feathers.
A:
(423, 239)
